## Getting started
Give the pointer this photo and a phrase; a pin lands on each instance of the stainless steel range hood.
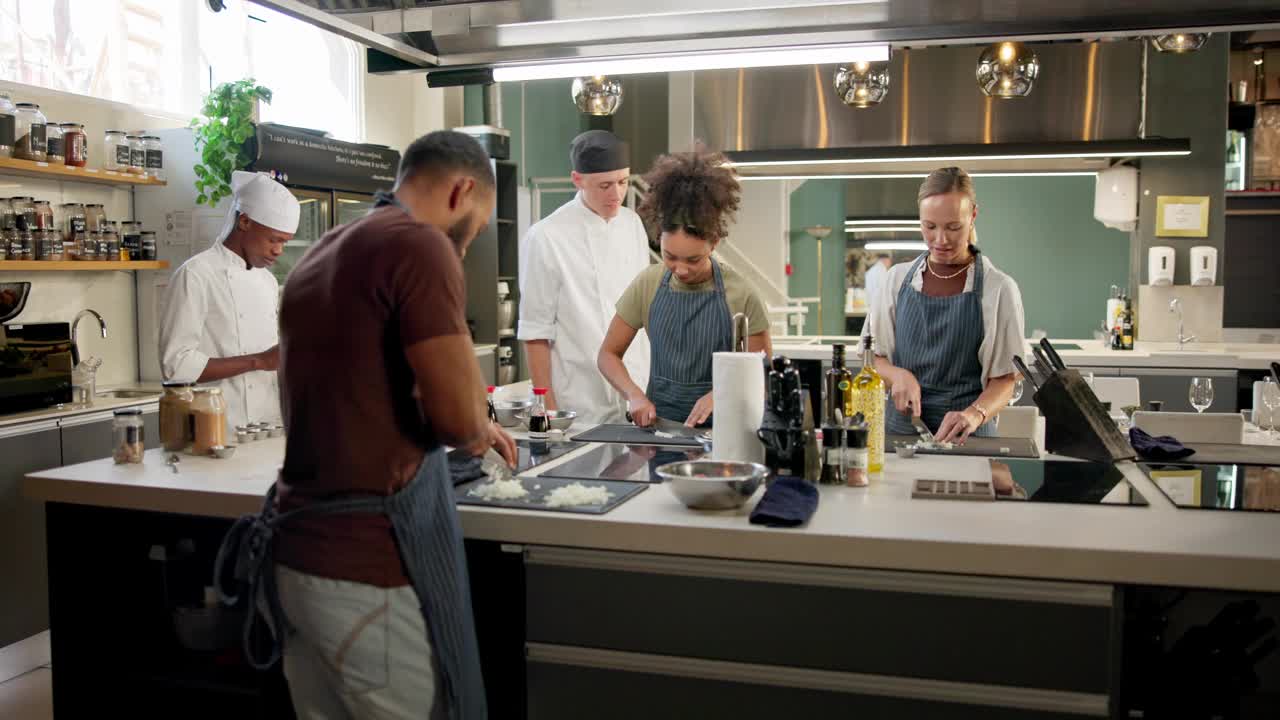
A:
(481, 33)
(1083, 115)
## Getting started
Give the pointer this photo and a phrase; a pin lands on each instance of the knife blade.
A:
(1026, 373)
(923, 430)
(1053, 354)
(1275, 372)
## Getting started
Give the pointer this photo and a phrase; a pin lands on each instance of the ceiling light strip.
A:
(959, 158)
(819, 55)
(886, 229)
(904, 221)
(895, 246)
(903, 176)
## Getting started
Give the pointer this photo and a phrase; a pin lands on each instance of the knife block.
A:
(1076, 423)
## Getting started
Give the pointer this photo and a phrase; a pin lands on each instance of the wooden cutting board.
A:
(974, 446)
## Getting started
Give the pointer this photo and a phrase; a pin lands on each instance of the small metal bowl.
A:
(243, 436)
(276, 431)
(560, 419)
(713, 484)
(906, 452)
(509, 411)
(222, 452)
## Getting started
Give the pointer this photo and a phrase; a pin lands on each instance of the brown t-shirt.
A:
(360, 296)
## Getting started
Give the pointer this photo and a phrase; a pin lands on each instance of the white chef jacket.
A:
(575, 266)
(216, 308)
(873, 280)
(1003, 319)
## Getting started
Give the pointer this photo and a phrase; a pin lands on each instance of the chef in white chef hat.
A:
(219, 320)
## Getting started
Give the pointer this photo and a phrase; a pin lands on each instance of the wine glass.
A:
(1271, 401)
(1201, 393)
(1017, 390)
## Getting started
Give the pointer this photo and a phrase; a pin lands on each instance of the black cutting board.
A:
(632, 435)
(613, 461)
(1230, 454)
(540, 488)
(975, 446)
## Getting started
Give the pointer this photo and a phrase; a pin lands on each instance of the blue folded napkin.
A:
(788, 502)
(1164, 447)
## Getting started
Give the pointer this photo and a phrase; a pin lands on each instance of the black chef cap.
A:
(597, 151)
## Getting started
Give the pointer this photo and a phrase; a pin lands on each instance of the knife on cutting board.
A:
(923, 430)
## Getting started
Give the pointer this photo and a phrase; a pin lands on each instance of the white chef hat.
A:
(264, 200)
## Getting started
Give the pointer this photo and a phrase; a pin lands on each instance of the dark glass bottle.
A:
(838, 389)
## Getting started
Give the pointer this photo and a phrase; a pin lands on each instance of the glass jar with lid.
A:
(153, 149)
(130, 240)
(75, 144)
(7, 221)
(117, 154)
(30, 126)
(103, 248)
(129, 434)
(8, 118)
(94, 216)
(44, 215)
(27, 245)
(209, 410)
(148, 238)
(12, 241)
(137, 155)
(86, 246)
(69, 217)
(54, 149)
(24, 212)
(109, 248)
(177, 424)
(49, 245)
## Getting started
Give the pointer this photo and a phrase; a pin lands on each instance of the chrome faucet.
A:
(102, 324)
(1175, 306)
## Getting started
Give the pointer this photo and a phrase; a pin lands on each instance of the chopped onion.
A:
(499, 490)
(578, 494)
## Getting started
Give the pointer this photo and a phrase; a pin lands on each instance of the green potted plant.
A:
(226, 122)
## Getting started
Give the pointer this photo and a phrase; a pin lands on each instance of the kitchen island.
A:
(882, 604)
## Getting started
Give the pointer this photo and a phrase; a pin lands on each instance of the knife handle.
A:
(1026, 372)
(1042, 362)
(1053, 354)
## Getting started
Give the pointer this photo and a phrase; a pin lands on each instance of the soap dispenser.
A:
(1204, 265)
(1160, 265)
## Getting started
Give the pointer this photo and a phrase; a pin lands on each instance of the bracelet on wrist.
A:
(981, 411)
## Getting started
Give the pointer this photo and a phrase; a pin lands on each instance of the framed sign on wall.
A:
(1182, 216)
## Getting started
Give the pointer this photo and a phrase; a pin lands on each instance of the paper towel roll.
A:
(737, 387)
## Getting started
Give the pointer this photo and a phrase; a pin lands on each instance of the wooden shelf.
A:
(82, 265)
(47, 171)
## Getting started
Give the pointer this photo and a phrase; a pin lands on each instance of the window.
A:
(165, 55)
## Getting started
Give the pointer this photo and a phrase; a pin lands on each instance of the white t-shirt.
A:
(1003, 319)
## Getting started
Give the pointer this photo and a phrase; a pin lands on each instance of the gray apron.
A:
(429, 538)
(937, 341)
(685, 328)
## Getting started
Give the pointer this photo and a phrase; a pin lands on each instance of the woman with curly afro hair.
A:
(686, 304)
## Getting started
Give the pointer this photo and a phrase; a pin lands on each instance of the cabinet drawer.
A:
(954, 628)
(566, 683)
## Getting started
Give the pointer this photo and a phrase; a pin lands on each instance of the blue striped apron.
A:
(685, 328)
(938, 340)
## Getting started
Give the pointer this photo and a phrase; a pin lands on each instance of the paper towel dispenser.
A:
(1115, 197)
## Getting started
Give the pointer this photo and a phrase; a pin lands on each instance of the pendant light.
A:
(597, 94)
(1180, 42)
(862, 84)
(1007, 70)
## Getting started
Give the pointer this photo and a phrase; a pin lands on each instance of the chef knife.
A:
(1275, 371)
(1053, 354)
(1026, 373)
(923, 430)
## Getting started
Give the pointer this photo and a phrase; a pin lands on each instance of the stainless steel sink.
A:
(129, 394)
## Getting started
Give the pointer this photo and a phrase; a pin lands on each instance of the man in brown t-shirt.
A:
(371, 314)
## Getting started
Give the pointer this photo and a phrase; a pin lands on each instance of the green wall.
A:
(819, 202)
(1041, 232)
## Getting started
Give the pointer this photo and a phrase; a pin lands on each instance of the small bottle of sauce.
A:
(539, 425)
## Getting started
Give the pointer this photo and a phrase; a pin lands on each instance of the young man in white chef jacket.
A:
(219, 319)
(575, 264)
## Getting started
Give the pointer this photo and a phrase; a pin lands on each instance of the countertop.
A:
(1238, 356)
(100, 404)
(875, 527)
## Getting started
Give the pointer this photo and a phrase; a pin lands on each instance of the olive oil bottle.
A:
(867, 397)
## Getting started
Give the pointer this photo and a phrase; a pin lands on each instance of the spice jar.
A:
(137, 155)
(177, 424)
(153, 150)
(857, 458)
(27, 245)
(117, 152)
(54, 149)
(109, 247)
(30, 126)
(130, 240)
(8, 113)
(12, 241)
(44, 215)
(75, 144)
(69, 217)
(832, 456)
(48, 244)
(24, 212)
(129, 433)
(94, 216)
(7, 221)
(86, 247)
(148, 239)
(209, 409)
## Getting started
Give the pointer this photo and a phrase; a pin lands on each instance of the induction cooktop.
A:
(533, 454)
(1253, 488)
(1063, 481)
(612, 461)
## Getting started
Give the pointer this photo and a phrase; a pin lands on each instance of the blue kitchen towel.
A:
(788, 502)
(464, 467)
(1164, 447)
